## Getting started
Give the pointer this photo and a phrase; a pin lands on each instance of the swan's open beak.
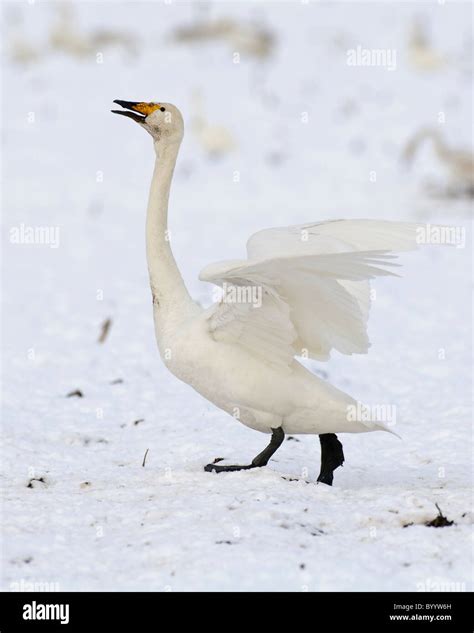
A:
(140, 109)
(138, 113)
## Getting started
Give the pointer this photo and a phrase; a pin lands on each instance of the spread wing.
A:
(304, 290)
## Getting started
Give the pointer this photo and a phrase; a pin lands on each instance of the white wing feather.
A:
(313, 281)
(265, 330)
(335, 236)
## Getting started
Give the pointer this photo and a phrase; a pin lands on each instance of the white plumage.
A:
(315, 298)
(320, 273)
(302, 291)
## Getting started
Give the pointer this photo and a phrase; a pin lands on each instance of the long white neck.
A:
(167, 285)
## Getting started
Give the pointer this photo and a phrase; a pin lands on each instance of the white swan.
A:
(303, 290)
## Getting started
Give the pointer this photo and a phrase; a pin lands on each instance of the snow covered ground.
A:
(315, 139)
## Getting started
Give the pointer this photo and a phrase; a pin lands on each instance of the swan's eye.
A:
(162, 109)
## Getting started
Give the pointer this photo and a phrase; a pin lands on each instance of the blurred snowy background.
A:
(280, 129)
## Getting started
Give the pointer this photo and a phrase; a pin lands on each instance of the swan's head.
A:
(162, 120)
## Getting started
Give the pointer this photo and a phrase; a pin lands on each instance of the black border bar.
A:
(149, 612)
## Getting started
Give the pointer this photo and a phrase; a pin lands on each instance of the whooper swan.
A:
(302, 291)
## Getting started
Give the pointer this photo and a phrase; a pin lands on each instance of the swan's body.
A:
(259, 395)
(314, 297)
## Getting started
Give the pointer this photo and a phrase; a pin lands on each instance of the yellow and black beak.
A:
(139, 109)
(133, 106)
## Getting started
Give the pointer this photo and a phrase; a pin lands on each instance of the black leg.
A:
(261, 460)
(331, 457)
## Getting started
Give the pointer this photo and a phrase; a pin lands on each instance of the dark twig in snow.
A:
(105, 330)
(77, 392)
(440, 520)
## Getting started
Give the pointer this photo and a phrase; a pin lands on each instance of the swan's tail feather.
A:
(380, 426)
